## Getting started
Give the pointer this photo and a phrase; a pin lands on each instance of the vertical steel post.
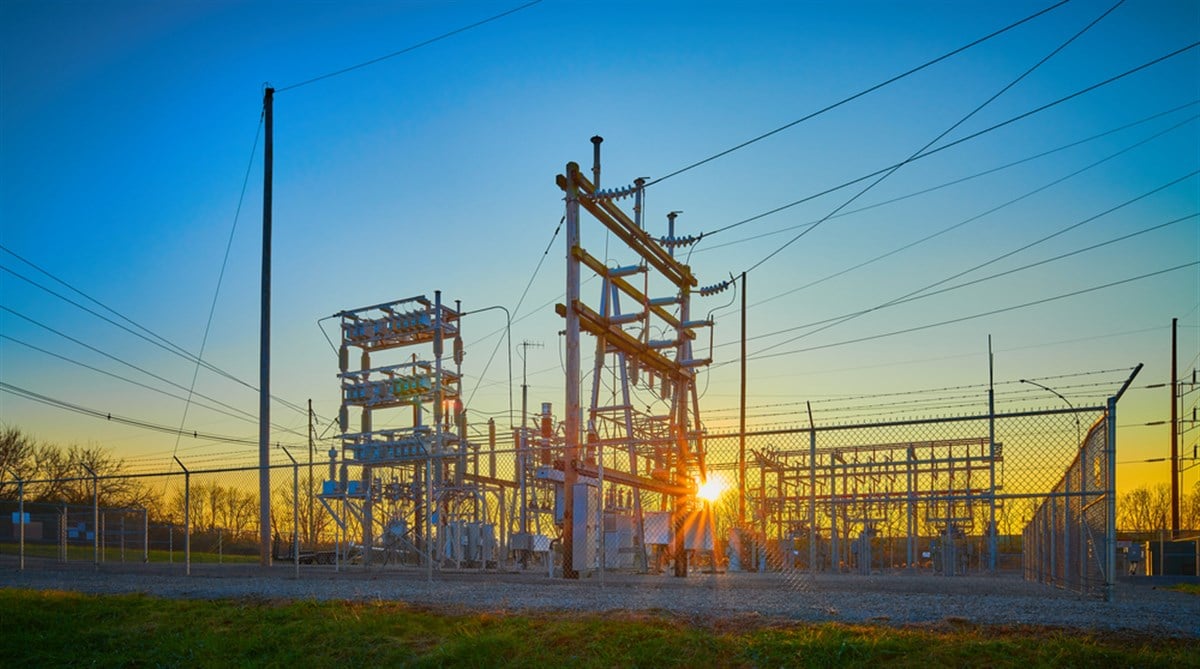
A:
(95, 517)
(187, 519)
(812, 490)
(21, 520)
(1174, 388)
(295, 510)
(834, 557)
(1110, 493)
(742, 419)
(145, 536)
(992, 547)
(264, 370)
(572, 364)
(430, 475)
(311, 510)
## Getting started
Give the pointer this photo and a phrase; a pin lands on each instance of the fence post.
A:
(21, 517)
(295, 510)
(145, 536)
(812, 495)
(95, 517)
(992, 547)
(62, 535)
(187, 518)
(1110, 492)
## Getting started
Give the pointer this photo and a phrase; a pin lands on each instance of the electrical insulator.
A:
(612, 193)
(676, 242)
(458, 350)
(715, 288)
(344, 358)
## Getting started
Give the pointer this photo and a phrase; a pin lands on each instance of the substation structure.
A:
(407, 478)
(869, 507)
(649, 463)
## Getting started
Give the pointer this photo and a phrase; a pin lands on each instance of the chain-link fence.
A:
(945, 496)
(1069, 541)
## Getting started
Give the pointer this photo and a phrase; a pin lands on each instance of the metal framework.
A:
(658, 457)
(415, 489)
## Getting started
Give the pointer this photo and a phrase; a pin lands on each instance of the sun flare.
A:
(710, 490)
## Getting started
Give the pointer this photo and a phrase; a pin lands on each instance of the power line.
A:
(162, 343)
(955, 182)
(956, 142)
(935, 140)
(115, 359)
(979, 315)
(229, 410)
(971, 219)
(220, 277)
(907, 296)
(405, 50)
(857, 95)
(921, 295)
(96, 413)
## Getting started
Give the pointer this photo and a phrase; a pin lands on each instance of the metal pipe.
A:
(187, 518)
(295, 509)
(596, 161)
(21, 516)
(992, 545)
(1174, 430)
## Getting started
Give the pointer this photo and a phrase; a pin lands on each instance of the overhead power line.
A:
(96, 413)
(908, 296)
(150, 336)
(407, 49)
(976, 217)
(935, 140)
(992, 312)
(229, 410)
(860, 94)
(959, 180)
(920, 296)
(212, 310)
(961, 140)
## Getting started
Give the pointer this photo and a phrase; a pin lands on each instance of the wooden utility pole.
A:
(264, 354)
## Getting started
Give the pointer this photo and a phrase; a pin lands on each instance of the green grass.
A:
(1189, 588)
(82, 553)
(68, 629)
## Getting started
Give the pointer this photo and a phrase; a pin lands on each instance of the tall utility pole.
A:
(742, 419)
(1174, 431)
(264, 350)
(311, 429)
(571, 417)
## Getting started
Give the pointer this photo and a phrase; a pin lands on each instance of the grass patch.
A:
(1189, 588)
(86, 553)
(46, 628)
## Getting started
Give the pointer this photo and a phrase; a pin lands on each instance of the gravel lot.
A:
(900, 599)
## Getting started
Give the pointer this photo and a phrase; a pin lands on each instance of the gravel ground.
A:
(900, 599)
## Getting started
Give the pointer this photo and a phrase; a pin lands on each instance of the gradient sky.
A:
(126, 129)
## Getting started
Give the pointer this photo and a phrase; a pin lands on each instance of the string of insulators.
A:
(676, 242)
(705, 291)
(612, 193)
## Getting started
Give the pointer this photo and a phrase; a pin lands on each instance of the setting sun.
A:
(710, 490)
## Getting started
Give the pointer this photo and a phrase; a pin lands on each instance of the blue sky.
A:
(126, 129)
